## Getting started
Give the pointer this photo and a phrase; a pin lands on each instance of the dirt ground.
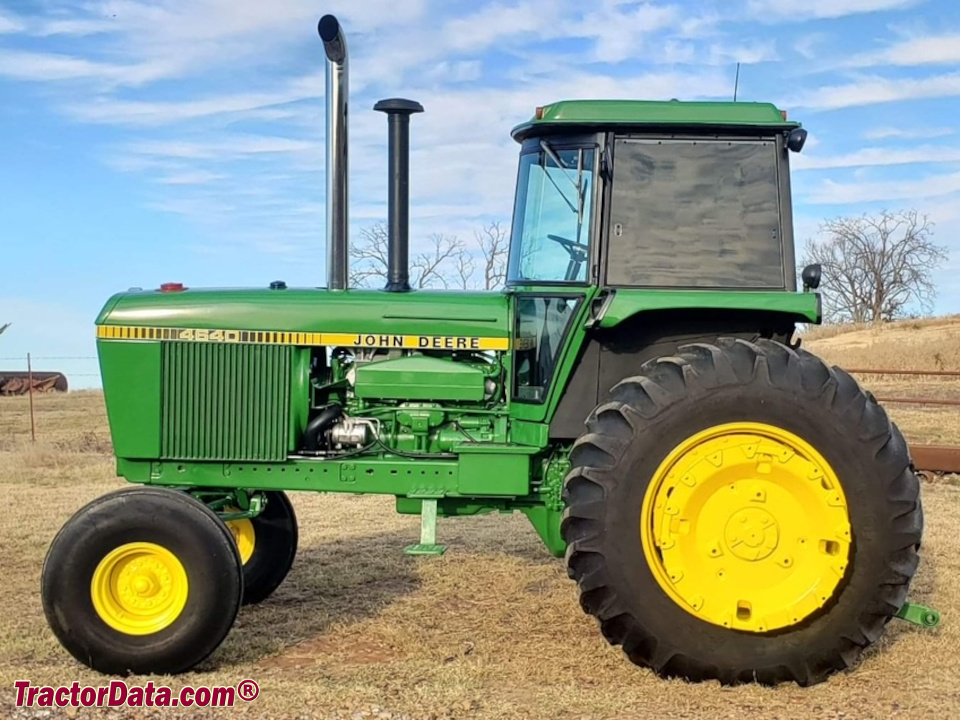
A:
(490, 630)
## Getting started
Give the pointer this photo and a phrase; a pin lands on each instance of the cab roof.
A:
(650, 114)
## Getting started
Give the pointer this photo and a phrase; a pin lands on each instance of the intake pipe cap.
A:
(399, 106)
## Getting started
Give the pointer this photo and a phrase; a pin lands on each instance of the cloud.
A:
(242, 187)
(454, 72)
(879, 157)
(196, 177)
(852, 193)
(748, 54)
(619, 30)
(238, 189)
(46, 27)
(928, 50)
(873, 90)
(620, 34)
(78, 27)
(495, 23)
(215, 106)
(223, 148)
(36, 66)
(888, 132)
(807, 45)
(170, 39)
(152, 42)
(10, 24)
(197, 207)
(799, 10)
(110, 111)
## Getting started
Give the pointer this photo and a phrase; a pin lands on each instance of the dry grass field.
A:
(490, 630)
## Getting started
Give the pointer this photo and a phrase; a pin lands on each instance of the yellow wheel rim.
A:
(139, 588)
(745, 525)
(243, 535)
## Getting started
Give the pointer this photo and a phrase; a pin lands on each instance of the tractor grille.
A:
(225, 401)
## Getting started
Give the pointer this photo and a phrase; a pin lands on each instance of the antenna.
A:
(736, 83)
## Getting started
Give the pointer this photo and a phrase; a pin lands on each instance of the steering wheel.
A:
(578, 251)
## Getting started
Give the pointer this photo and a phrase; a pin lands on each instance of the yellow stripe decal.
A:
(271, 337)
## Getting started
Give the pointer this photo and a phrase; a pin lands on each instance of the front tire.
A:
(142, 581)
(268, 545)
(714, 488)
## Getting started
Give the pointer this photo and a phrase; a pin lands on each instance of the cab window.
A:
(552, 216)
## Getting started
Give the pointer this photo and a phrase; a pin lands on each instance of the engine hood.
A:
(358, 312)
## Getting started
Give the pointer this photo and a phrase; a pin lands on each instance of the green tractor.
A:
(730, 506)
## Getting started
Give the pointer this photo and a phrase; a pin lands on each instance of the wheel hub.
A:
(752, 534)
(139, 588)
(745, 526)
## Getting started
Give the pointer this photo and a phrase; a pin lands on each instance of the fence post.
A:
(33, 424)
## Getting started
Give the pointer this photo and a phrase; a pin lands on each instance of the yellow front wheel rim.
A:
(244, 536)
(745, 525)
(139, 588)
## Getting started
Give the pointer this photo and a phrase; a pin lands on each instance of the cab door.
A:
(553, 264)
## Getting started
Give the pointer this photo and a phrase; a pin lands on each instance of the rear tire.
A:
(630, 441)
(142, 581)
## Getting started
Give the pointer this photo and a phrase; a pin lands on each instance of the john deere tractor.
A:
(730, 506)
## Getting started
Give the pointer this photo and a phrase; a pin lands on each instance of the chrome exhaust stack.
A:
(335, 47)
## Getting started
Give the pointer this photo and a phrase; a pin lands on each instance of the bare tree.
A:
(464, 268)
(447, 261)
(431, 268)
(493, 243)
(876, 267)
(368, 256)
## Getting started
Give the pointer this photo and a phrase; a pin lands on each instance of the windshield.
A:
(552, 216)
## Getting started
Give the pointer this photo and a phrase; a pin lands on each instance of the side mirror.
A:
(811, 277)
(796, 140)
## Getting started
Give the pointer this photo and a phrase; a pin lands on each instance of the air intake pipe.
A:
(398, 254)
(335, 47)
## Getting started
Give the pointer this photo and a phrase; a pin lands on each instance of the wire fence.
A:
(31, 374)
(52, 357)
(927, 458)
(22, 359)
(946, 376)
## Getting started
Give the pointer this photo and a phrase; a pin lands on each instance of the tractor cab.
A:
(640, 196)
(656, 195)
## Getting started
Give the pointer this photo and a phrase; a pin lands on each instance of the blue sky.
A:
(144, 142)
